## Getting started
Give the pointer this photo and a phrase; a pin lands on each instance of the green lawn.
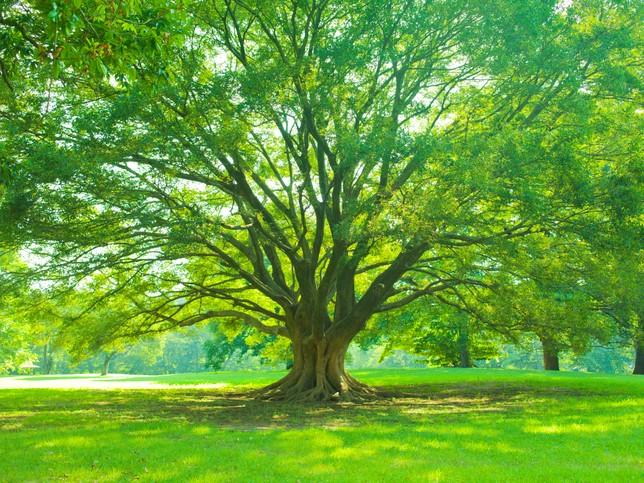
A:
(442, 425)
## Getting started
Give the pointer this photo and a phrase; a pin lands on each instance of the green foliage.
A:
(299, 167)
(452, 342)
(440, 335)
(219, 348)
(93, 38)
(612, 359)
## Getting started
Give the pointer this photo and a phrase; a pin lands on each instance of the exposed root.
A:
(317, 375)
(297, 388)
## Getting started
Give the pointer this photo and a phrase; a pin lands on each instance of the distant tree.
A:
(612, 359)
(439, 334)
(539, 286)
(14, 344)
(612, 280)
(220, 349)
(233, 345)
(29, 331)
(146, 356)
(613, 273)
(14, 335)
(107, 357)
(454, 341)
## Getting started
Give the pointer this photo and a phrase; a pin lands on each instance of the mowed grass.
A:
(436, 425)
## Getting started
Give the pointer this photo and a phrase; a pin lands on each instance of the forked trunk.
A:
(317, 374)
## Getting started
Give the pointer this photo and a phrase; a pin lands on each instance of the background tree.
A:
(614, 235)
(439, 334)
(300, 167)
(28, 330)
(14, 336)
(233, 345)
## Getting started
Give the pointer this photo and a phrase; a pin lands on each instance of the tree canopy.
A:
(298, 167)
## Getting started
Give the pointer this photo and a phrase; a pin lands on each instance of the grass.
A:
(442, 425)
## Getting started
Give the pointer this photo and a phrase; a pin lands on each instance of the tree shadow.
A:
(415, 433)
(242, 411)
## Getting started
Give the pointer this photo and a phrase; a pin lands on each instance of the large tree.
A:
(299, 166)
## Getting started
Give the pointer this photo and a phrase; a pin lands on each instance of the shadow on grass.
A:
(240, 410)
(445, 432)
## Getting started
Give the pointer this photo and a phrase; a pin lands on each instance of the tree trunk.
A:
(463, 346)
(317, 374)
(466, 360)
(48, 361)
(44, 364)
(550, 355)
(639, 357)
(106, 364)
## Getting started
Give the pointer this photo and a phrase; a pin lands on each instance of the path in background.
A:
(429, 378)
(90, 381)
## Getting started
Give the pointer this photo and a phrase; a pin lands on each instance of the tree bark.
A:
(48, 361)
(317, 374)
(550, 355)
(639, 357)
(465, 360)
(463, 346)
